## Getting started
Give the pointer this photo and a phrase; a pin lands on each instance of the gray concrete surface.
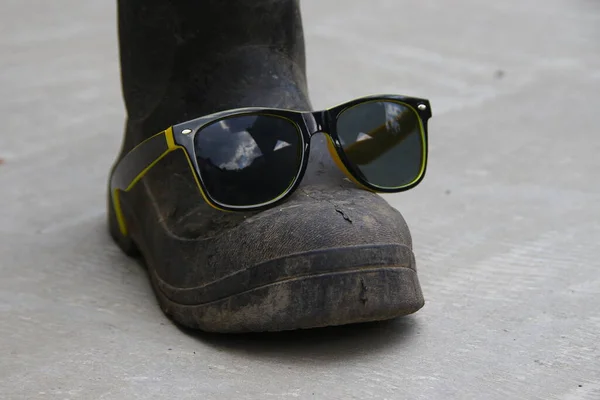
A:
(506, 225)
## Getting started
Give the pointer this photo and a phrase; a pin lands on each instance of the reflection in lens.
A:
(248, 160)
(384, 141)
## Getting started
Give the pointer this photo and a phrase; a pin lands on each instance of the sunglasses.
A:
(250, 158)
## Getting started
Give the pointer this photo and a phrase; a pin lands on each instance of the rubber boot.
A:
(332, 254)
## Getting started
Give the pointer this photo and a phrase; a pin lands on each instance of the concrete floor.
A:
(506, 224)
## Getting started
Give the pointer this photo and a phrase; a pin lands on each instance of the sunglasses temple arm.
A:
(382, 139)
(135, 164)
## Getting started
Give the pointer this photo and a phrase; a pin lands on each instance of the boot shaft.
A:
(182, 59)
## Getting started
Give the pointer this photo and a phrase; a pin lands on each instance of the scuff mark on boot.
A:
(363, 292)
(321, 169)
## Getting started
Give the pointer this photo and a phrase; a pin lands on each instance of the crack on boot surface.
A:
(343, 214)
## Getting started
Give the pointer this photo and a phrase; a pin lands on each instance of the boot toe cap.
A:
(323, 258)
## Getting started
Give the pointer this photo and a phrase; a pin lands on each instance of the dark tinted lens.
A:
(384, 141)
(248, 160)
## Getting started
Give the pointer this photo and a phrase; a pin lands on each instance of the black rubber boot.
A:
(332, 254)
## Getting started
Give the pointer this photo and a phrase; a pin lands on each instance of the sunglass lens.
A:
(248, 160)
(384, 141)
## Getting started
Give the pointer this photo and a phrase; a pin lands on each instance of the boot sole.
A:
(328, 295)
(340, 298)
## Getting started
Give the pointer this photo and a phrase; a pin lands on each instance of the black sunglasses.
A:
(250, 158)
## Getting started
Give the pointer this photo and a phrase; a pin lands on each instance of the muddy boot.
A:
(331, 254)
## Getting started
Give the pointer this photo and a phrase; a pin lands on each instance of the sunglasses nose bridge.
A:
(315, 122)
